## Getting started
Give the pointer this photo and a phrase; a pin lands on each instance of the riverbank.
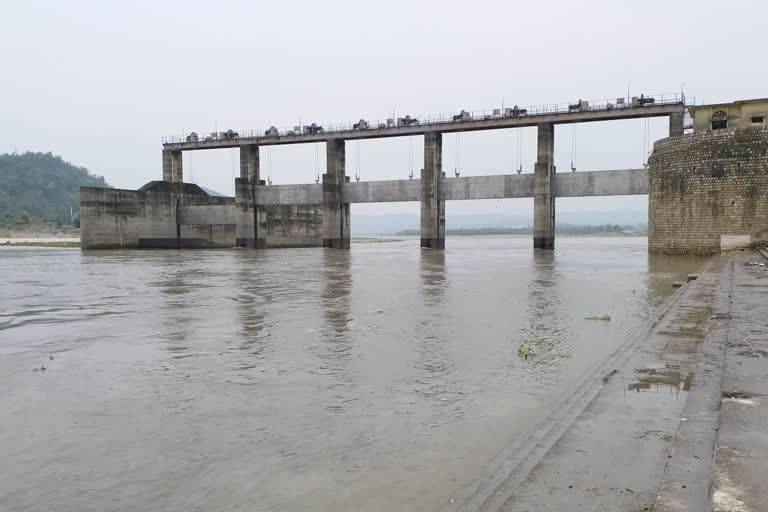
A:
(40, 242)
(36, 230)
(373, 240)
(674, 420)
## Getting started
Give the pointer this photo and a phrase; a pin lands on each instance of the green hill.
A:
(42, 186)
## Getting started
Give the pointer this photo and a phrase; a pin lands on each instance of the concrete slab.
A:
(742, 450)
(607, 446)
(675, 420)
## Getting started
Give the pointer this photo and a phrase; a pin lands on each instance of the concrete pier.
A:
(543, 191)
(335, 212)
(432, 205)
(249, 162)
(167, 165)
(250, 219)
(245, 215)
(172, 166)
(676, 124)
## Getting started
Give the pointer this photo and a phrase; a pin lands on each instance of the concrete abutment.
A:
(707, 192)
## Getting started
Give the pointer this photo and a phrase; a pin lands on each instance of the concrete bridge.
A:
(507, 186)
(322, 210)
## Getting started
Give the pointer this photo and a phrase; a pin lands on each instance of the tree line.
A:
(41, 186)
(564, 229)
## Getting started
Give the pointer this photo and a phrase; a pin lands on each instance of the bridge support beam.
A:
(432, 206)
(251, 220)
(676, 124)
(543, 190)
(172, 168)
(335, 213)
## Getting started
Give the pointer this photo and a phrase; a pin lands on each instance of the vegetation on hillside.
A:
(41, 186)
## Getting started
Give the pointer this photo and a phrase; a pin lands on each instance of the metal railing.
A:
(503, 112)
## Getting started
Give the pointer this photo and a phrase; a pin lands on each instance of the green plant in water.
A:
(605, 318)
(525, 353)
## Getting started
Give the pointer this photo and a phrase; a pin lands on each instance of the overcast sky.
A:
(100, 83)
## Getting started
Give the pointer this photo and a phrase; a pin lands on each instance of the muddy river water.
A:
(382, 378)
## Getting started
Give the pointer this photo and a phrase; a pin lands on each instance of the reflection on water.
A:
(432, 363)
(337, 286)
(252, 296)
(546, 332)
(337, 343)
(660, 268)
(383, 378)
(433, 276)
(662, 380)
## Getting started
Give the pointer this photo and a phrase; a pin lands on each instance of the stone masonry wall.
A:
(708, 192)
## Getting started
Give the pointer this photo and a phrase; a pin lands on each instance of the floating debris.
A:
(50, 357)
(604, 318)
(525, 353)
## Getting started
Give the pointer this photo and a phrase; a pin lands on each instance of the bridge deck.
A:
(440, 124)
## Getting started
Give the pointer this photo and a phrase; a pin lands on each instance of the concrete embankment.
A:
(674, 420)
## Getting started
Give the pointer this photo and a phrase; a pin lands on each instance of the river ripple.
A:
(383, 378)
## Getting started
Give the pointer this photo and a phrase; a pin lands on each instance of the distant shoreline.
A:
(373, 240)
(73, 243)
(500, 232)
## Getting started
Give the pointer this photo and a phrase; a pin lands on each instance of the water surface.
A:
(382, 378)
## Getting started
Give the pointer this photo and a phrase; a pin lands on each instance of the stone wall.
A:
(708, 192)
